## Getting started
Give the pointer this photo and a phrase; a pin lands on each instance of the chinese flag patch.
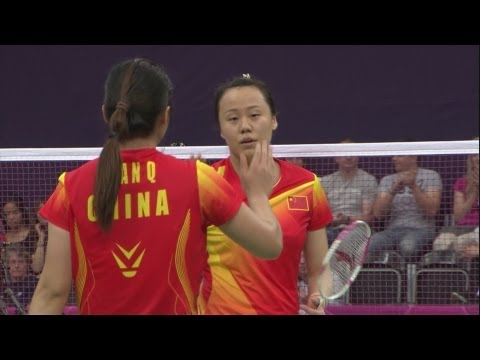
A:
(297, 203)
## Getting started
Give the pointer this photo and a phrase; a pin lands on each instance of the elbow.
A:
(274, 251)
(57, 299)
(52, 294)
(273, 254)
(278, 248)
(57, 291)
(433, 211)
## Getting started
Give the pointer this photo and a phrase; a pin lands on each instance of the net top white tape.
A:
(282, 151)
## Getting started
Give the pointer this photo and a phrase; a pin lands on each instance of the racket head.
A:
(344, 260)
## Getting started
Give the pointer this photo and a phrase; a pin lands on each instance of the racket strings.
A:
(347, 259)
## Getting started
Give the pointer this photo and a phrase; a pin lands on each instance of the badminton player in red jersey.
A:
(130, 226)
(235, 282)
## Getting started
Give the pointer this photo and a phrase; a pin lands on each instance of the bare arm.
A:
(366, 215)
(263, 238)
(367, 212)
(316, 247)
(382, 204)
(255, 226)
(54, 285)
(383, 201)
(462, 204)
(38, 257)
(428, 200)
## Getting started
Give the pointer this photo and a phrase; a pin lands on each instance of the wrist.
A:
(323, 303)
(259, 204)
(256, 196)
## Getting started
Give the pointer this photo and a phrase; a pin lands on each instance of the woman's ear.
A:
(275, 123)
(163, 122)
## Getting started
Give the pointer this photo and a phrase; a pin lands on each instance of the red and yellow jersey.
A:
(236, 282)
(151, 260)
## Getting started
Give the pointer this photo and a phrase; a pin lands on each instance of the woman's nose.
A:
(245, 124)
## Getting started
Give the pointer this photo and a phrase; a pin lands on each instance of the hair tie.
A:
(113, 135)
(122, 105)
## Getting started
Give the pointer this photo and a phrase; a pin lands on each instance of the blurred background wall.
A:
(51, 96)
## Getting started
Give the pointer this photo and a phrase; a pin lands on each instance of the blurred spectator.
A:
(19, 233)
(410, 200)
(461, 236)
(351, 193)
(20, 281)
(2, 232)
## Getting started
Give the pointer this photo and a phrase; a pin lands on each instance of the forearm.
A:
(383, 204)
(325, 282)
(261, 207)
(256, 229)
(312, 281)
(315, 249)
(428, 204)
(367, 217)
(55, 282)
(38, 259)
(462, 208)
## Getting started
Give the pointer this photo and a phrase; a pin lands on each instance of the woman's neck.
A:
(235, 160)
(18, 234)
(138, 144)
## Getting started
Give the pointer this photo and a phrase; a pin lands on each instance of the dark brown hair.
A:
(136, 92)
(242, 81)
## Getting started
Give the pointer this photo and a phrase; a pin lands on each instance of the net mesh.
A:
(395, 274)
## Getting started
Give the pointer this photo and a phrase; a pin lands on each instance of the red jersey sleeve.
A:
(57, 208)
(219, 202)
